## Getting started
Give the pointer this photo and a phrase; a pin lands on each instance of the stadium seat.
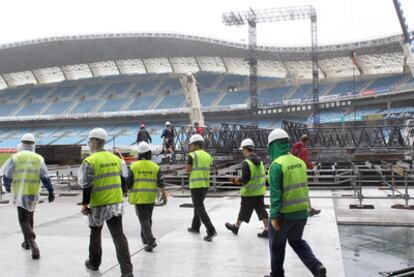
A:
(172, 101)
(113, 105)
(234, 98)
(141, 103)
(31, 109)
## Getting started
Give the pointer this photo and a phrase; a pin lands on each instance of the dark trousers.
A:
(290, 231)
(144, 213)
(200, 213)
(120, 241)
(26, 223)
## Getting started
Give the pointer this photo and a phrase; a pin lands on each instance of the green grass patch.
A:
(4, 157)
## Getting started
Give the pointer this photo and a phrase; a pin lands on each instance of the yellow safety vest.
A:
(200, 171)
(257, 183)
(144, 190)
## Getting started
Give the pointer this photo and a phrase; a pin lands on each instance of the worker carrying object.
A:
(289, 202)
(198, 168)
(103, 178)
(252, 191)
(145, 178)
(23, 174)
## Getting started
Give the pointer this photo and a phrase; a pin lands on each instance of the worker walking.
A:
(289, 202)
(23, 174)
(102, 176)
(252, 191)
(143, 135)
(198, 168)
(301, 151)
(145, 178)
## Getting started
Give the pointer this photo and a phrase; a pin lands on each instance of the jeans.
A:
(200, 213)
(144, 213)
(26, 223)
(120, 241)
(290, 231)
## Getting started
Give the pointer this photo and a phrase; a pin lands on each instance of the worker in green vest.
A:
(252, 191)
(198, 169)
(145, 178)
(24, 173)
(289, 203)
(103, 178)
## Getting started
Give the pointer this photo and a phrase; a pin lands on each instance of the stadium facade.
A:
(58, 88)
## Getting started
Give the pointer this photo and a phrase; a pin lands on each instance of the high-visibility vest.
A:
(26, 173)
(200, 171)
(106, 185)
(144, 189)
(295, 184)
(257, 183)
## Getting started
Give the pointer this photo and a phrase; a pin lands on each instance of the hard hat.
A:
(28, 138)
(196, 138)
(167, 123)
(143, 147)
(142, 125)
(277, 134)
(98, 133)
(246, 143)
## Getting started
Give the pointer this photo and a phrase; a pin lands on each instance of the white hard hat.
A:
(277, 134)
(196, 138)
(167, 123)
(143, 147)
(98, 133)
(28, 137)
(246, 143)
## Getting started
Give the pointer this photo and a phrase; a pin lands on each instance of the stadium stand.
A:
(234, 98)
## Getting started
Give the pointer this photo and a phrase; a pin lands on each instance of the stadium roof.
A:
(67, 58)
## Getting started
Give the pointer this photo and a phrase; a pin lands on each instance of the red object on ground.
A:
(299, 150)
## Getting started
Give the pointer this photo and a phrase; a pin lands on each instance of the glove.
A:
(51, 197)
(235, 181)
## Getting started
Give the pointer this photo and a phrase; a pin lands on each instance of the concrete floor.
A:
(62, 236)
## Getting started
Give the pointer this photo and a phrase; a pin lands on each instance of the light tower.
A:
(251, 18)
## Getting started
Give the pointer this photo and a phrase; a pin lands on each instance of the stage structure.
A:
(251, 18)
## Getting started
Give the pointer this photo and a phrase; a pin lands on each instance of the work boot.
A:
(232, 228)
(313, 212)
(191, 230)
(149, 247)
(90, 266)
(25, 245)
(210, 236)
(35, 250)
(320, 271)
(264, 234)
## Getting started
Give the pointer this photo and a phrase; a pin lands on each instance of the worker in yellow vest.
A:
(145, 178)
(23, 174)
(289, 203)
(198, 169)
(252, 191)
(103, 178)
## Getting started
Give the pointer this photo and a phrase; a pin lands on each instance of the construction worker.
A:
(145, 178)
(198, 168)
(289, 202)
(253, 189)
(300, 150)
(168, 136)
(23, 173)
(102, 176)
(143, 135)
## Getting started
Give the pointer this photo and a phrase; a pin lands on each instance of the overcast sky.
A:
(338, 20)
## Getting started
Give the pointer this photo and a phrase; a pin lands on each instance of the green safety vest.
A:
(144, 190)
(257, 183)
(106, 185)
(200, 171)
(295, 184)
(26, 173)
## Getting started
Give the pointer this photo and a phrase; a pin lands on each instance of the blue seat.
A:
(85, 106)
(207, 98)
(11, 94)
(58, 108)
(113, 105)
(273, 95)
(7, 109)
(141, 103)
(38, 93)
(31, 109)
(206, 79)
(64, 92)
(171, 84)
(234, 98)
(232, 81)
(172, 102)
